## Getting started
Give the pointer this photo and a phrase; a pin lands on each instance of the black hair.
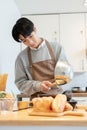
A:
(24, 27)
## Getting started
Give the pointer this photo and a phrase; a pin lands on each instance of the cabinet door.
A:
(86, 38)
(72, 37)
(47, 26)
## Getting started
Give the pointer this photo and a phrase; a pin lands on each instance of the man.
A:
(37, 65)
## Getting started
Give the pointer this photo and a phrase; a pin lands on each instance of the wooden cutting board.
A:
(80, 106)
(53, 114)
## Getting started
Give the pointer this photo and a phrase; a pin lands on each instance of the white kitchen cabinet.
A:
(47, 26)
(72, 37)
(86, 38)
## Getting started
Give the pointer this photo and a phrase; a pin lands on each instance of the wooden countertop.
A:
(83, 94)
(22, 118)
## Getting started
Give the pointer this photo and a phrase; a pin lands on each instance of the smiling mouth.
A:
(34, 46)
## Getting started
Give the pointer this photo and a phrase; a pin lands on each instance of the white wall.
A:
(8, 47)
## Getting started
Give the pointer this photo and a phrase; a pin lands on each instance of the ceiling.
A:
(50, 6)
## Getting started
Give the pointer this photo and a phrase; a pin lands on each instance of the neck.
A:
(39, 42)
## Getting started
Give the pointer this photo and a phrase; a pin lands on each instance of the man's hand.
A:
(45, 86)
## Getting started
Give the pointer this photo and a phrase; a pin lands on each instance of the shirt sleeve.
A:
(22, 81)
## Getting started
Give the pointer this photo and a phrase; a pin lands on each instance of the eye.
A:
(24, 41)
(31, 36)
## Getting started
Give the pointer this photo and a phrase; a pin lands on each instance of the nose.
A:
(29, 40)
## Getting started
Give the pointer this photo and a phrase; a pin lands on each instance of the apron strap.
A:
(30, 60)
(29, 57)
(50, 50)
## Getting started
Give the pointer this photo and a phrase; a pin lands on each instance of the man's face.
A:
(31, 40)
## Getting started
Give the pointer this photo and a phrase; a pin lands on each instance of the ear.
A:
(35, 30)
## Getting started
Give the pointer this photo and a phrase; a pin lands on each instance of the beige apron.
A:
(43, 70)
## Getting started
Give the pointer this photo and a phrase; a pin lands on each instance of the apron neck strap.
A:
(50, 50)
(29, 57)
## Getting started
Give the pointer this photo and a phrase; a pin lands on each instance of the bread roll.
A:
(68, 107)
(42, 103)
(59, 103)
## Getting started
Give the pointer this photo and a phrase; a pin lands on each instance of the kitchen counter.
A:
(83, 94)
(22, 118)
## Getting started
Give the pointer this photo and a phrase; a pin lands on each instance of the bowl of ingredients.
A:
(7, 101)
